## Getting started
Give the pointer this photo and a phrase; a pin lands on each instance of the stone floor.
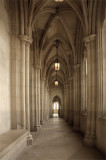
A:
(57, 141)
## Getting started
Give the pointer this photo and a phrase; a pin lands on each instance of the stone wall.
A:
(5, 32)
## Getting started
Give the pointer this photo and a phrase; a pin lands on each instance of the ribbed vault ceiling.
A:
(56, 21)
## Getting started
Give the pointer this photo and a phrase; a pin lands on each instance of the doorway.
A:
(55, 109)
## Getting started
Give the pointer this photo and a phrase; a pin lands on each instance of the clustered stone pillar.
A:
(33, 101)
(71, 101)
(67, 101)
(42, 101)
(83, 85)
(90, 43)
(65, 109)
(46, 101)
(37, 98)
(24, 81)
(27, 61)
(76, 101)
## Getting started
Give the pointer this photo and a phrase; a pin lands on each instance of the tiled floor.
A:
(57, 141)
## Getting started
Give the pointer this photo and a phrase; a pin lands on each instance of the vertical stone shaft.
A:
(76, 97)
(42, 103)
(33, 102)
(83, 85)
(93, 109)
(64, 103)
(45, 103)
(37, 96)
(27, 60)
(22, 81)
(67, 101)
(48, 103)
(91, 90)
(71, 101)
(38, 84)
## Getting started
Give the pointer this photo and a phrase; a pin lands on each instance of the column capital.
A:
(48, 88)
(36, 66)
(76, 66)
(64, 88)
(43, 79)
(67, 85)
(25, 38)
(70, 78)
(89, 38)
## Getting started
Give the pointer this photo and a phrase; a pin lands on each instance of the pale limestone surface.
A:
(57, 141)
(80, 28)
(11, 144)
(5, 31)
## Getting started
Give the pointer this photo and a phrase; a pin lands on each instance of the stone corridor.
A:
(58, 141)
(52, 61)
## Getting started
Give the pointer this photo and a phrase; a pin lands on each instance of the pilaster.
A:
(25, 42)
(90, 44)
(64, 94)
(76, 101)
(22, 80)
(37, 97)
(67, 100)
(42, 103)
(71, 101)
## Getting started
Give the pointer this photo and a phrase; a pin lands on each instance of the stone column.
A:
(76, 97)
(44, 109)
(22, 80)
(83, 86)
(33, 121)
(90, 43)
(64, 93)
(67, 101)
(42, 103)
(71, 102)
(27, 66)
(48, 103)
(37, 97)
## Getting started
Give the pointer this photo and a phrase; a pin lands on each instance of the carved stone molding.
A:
(36, 66)
(43, 79)
(76, 66)
(89, 38)
(25, 38)
(71, 78)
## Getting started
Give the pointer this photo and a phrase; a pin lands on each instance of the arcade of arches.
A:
(29, 32)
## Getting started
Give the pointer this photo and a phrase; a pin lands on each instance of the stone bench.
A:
(12, 144)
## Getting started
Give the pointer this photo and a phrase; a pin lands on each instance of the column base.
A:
(90, 140)
(70, 123)
(33, 129)
(76, 127)
(42, 123)
(37, 127)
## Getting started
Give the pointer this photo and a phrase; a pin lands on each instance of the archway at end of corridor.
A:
(56, 107)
